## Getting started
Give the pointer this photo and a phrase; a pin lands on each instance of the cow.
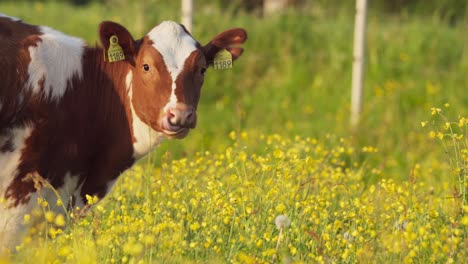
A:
(79, 116)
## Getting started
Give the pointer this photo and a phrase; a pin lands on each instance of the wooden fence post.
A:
(358, 61)
(187, 14)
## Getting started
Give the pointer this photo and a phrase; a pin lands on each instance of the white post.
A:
(187, 14)
(274, 6)
(358, 61)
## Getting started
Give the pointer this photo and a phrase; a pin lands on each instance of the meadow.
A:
(273, 173)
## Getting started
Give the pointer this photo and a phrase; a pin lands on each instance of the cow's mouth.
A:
(174, 131)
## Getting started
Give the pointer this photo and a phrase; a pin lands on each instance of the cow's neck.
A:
(105, 74)
(117, 78)
(145, 138)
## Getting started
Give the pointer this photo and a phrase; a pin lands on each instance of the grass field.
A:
(273, 139)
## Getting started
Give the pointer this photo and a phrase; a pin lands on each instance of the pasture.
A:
(273, 139)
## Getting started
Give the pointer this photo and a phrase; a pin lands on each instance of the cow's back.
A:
(14, 60)
(38, 64)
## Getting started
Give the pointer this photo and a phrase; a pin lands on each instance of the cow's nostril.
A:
(189, 116)
(172, 118)
(170, 115)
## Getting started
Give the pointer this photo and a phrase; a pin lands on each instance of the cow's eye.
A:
(146, 67)
(203, 71)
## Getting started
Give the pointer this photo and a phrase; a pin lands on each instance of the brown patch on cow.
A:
(19, 191)
(5, 30)
(15, 40)
(151, 89)
(31, 41)
(101, 131)
(190, 80)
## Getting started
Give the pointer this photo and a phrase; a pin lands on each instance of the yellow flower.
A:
(45, 204)
(446, 125)
(91, 199)
(244, 135)
(232, 135)
(49, 216)
(26, 218)
(65, 251)
(280, 208)
(435, 111)
(60, 220)
(269, 252)
(278, 153)
(242, 156)
(195, 226)
(292, 249)
(462, 121)
(464, 220)
(440, 135)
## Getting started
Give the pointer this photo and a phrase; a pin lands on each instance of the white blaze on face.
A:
(55, 60)
(175, 45)
(146, 137)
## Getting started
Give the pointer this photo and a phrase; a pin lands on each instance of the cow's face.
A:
(168, 69)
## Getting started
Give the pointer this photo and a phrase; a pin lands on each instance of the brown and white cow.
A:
(78, 120)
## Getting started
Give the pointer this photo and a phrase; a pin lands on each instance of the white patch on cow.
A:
(10, 17)
(175, 45)
(79, 202)
(69, 189)
(11, 219)
(9, 161)
(55, 60)
(146, 138)
(12, 228)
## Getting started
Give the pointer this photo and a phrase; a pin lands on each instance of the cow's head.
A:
(168, 68)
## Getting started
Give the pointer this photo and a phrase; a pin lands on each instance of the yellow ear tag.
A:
(222, 60)
(115, 52)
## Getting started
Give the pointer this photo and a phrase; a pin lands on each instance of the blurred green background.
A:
(295, 75)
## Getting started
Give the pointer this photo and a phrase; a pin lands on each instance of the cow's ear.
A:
(108, 29)
(230, 40)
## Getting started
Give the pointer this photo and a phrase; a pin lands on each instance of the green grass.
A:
(294, 79)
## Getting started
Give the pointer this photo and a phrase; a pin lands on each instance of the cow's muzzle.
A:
(179, 120)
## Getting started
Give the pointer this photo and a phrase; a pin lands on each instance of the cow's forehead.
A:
(174, 44)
